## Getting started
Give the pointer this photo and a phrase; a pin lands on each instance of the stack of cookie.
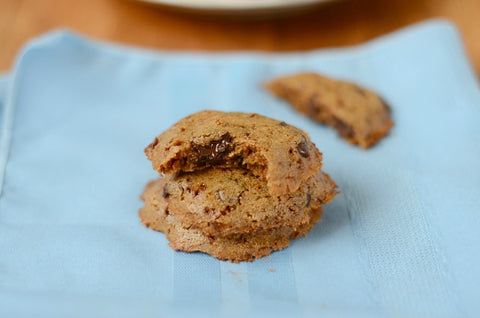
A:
(236, 186)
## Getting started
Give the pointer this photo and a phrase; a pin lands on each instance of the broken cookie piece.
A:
(359, 115)
(281, 154)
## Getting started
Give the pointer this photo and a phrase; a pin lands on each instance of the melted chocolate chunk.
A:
(302, 148)
(215, 152)
(283, 124)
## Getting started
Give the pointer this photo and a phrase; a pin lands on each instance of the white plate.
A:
(232, 6)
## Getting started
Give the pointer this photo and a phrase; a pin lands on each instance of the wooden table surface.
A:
(336, 24)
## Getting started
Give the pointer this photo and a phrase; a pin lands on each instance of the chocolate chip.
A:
(165, 193)
(309, 198)
(283, 124)
(215, 152)
(343, 128)
(221, 147)
(302, 148)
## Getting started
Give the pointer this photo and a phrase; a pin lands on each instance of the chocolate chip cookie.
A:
(158, 215)
(359, 115)
(230, 201)
(281, 154)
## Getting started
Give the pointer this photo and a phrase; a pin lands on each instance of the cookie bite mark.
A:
(231, 140)
(358, 115)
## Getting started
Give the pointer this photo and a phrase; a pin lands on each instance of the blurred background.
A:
(227, 25)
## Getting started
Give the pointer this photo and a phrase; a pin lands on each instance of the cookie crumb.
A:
(271, 270)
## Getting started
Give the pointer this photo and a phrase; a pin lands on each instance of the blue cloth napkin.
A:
(401, 240)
